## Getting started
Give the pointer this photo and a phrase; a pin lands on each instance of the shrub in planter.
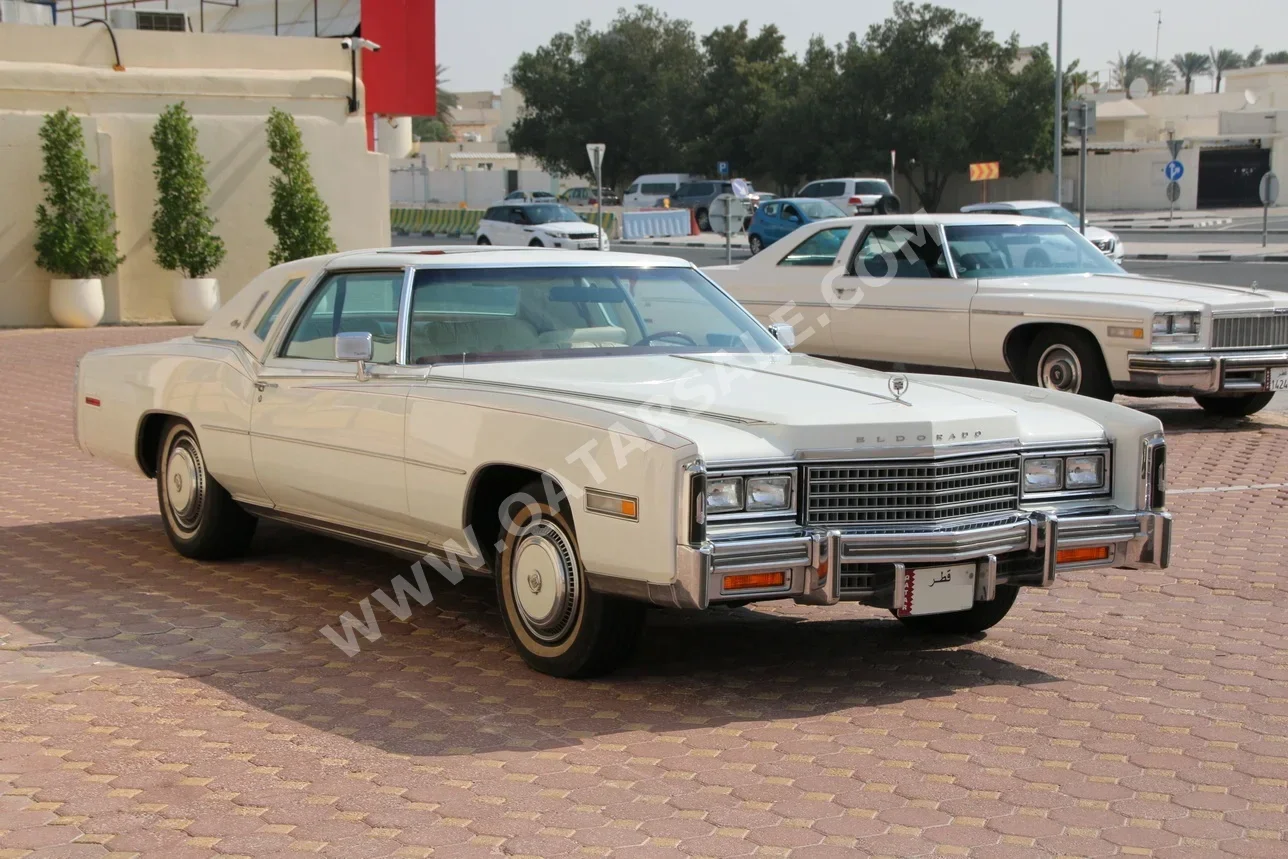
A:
(299, 218)
(75, 231)
(181, 224)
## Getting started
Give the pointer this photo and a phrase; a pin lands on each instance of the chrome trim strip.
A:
(1150, 445)
(911, 451)
(986, 580)
(217, 428)
(998, 312)
(434, 466)
(402, 343)
(324, 446)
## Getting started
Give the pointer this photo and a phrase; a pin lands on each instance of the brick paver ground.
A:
(153, 706)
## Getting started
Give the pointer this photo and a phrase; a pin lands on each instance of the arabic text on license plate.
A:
(935, 590)
(1279, 379)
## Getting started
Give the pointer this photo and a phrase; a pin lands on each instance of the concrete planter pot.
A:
(193, 300)
(76, 303)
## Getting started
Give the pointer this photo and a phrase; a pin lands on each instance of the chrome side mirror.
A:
(784, 334)
(355, 346)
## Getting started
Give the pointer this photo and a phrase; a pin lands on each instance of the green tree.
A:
(1160, 76)
(973, 100)
(1276, 58)
(630, 87)
(437, 128)
(1254, 57)
(1074, 80)
(1222, 61)
(181, 224)
(298, 217)
(1127, 69)
(75, 235)
(807, 100)
(1191, 65)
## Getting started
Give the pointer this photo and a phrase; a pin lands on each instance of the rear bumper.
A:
(826, 567)
(1204, 372)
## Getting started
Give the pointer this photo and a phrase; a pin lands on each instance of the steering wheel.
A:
(649, 338)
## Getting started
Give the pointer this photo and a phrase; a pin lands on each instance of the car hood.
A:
(563, 227)
(736, 407)
(1159, 292)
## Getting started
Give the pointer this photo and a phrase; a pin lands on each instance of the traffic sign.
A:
(1173, 192)
(740, 187)
(1269, 189)
(596, 153)
(722, 169)
(1174, 147)
(1082, 117)
(1174, 171)
(985, 170)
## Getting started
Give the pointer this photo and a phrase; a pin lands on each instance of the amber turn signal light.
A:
(754, 580)
(1081, 554)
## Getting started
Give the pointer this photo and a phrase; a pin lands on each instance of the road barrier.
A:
(657, 223)
(461, 222)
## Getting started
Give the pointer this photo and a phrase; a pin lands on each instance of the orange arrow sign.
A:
(984, 171)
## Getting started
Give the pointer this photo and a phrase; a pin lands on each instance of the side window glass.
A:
(348, 302)
(266, 324)
(634, 189)
(771, 210)
(900, 251)
(819, 249)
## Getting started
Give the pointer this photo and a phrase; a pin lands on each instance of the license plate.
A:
(1278, 380)
(935, 590)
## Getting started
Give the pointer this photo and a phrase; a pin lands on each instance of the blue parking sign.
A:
(722, 168)
(1174, 170)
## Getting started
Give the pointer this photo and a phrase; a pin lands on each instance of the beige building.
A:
(229, 83)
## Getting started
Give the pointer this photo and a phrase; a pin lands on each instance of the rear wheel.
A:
(535, 243)
(1064, 359)
(704, 220)
(888, 205)
(977, 618)
(200, 517)
(1235, 405)
(558, 624)
(484, 240)
(755, 244)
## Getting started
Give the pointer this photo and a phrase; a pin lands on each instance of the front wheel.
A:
(1235, 405)
(755, 245)
(977, 618)
(535, 243)
(560, 626)
(1063, 359)
(484, 240)
(200, 517)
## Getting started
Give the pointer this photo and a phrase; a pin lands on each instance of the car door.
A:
(327, 444)
(903, 303)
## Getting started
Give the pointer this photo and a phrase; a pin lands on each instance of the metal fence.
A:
(89, 9)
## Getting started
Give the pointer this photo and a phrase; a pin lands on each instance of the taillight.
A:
(856, 200)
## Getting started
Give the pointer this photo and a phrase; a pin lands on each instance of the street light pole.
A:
(1059, 96)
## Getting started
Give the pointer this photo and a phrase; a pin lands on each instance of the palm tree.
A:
(1160, 76)
(1128, 68)
(1191, 65)
(1074, 80)
(1276, 58)
(1222, 61)
(445, 100)
(439, 126)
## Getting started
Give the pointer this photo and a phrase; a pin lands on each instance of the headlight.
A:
(1176, 327)
(1084, 472)
(769, 493)
(1043, 475)
(724, 494)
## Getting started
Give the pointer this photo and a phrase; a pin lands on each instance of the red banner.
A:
(399, 78)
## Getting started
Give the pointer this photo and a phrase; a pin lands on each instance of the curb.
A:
(663, 243)
(1214, 257)
(1132, 224)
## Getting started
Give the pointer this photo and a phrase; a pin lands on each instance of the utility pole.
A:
(1059, 97)
(1158, 31)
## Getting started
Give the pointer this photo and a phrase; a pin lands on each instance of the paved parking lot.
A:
(154, 706)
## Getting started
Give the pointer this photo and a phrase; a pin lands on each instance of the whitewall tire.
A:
(193, 300)
(76, 303)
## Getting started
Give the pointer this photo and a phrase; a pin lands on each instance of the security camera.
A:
(357, 44)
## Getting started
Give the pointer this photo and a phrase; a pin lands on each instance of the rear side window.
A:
(657, 187)
(493, 214)
(831, 189)
(266, 324)
(871, 186)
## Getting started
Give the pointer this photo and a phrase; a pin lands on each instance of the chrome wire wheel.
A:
(1060, 369)
(184, 482)
(544, 580)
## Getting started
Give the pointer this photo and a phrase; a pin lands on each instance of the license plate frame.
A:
(1277, 378)
(915, 592)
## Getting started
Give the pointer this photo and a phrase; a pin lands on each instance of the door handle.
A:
(262, 385)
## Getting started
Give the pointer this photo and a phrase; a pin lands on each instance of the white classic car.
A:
(598, 433)
(1018, 298)
(539, 225)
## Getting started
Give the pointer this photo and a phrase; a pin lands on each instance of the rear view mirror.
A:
(355, 346)
(784, 334)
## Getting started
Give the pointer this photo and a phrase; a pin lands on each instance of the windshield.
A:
(496, 314)
(549, 213)
(1024, 250)
(818, 209)
(1055, 213)
(871, 186)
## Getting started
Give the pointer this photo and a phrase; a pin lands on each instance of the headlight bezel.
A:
(1066, 455)
(746, 509)
(1176, 327)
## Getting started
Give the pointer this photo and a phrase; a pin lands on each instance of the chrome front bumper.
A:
(1204, 372)
(825, 567)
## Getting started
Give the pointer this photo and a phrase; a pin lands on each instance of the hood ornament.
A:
(898, 385)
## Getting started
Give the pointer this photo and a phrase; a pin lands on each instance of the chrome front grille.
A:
(865, 493)
(1250, 330)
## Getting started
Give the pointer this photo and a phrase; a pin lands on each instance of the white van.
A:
(647, 191)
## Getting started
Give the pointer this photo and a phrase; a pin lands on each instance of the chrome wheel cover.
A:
(544, 581)
(185, 483)
(1060, 370)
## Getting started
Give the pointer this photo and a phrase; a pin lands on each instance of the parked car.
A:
(529, 197)
(1107, 242)
(1024, 298)
(698, 196)
(504, 413)
(855, 195)
(541, 225)
(776, 218)
(649, 190)
(586, 196)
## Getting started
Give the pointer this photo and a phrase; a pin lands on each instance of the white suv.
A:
(540, 225)
(857, 195)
